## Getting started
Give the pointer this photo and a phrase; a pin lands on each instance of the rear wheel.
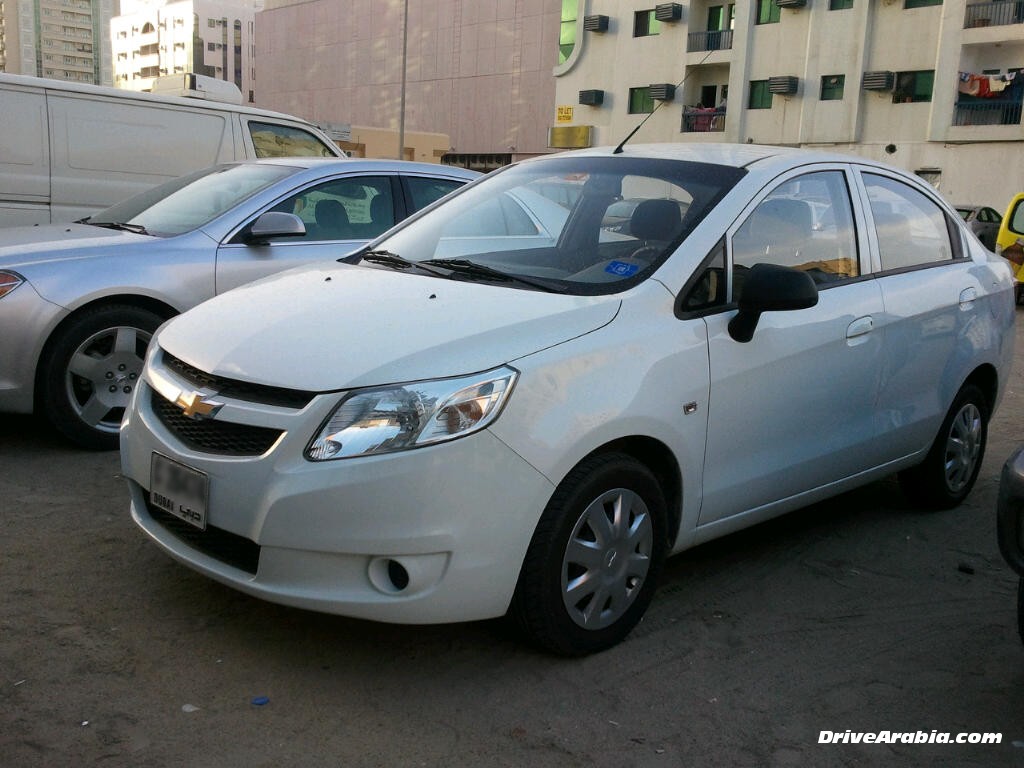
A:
(90, 370)
(591, 569)
(946, 476)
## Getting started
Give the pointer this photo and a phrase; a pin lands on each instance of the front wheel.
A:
(947, 474)
(90, 369)
(591, 569)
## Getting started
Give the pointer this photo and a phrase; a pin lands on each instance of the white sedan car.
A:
(79, 302)
(531, 426)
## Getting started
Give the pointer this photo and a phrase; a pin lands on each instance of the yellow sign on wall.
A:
(564, 114)
(569, 136)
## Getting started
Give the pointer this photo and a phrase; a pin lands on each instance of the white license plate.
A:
(179, 490)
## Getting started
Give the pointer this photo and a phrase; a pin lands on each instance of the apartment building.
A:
(932, 86)
(58, 39)
(216, 38)
(478, 71)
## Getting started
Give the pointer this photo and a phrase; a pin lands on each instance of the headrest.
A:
(656, 220)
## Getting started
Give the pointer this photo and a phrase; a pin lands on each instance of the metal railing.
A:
(709, 41)
(703, 120)
(994, 14)
(992, 113)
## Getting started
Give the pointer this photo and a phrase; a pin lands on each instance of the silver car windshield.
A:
(188, 203)
(585, 225)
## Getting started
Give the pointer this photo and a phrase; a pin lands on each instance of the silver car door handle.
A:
(967, 297)
(860, 327)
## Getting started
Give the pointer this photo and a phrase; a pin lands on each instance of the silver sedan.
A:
(79, 302)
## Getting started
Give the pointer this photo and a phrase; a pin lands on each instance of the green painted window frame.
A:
(840, 5)
(640, 101)
(768, 12)
(760, 96)
(645, 24)
(920, 3)
(567, 30)
(914, 87)
(832, 87)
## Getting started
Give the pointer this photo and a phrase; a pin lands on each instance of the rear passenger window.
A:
(426, 191)
(912, 230)
(805, 223)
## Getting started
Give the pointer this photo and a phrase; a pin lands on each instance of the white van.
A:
(68, 150)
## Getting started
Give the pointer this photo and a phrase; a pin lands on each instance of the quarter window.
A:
(912, 230)
(424, 191)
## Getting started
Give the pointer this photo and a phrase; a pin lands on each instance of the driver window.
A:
(805, 223)
(353, 208)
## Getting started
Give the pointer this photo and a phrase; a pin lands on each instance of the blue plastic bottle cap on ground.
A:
(259, 701)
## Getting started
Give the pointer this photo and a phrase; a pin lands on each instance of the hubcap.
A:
(963, 447)
(607, 559)
(102, 374)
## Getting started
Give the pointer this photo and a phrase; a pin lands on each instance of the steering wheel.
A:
(645, 253)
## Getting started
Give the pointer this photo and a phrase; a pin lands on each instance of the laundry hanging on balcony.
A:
(988, 86)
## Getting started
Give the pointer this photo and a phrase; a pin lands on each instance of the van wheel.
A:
(90, 370)
(592, 566)
(947, 474)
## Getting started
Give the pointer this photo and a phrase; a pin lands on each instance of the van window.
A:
(286, 141)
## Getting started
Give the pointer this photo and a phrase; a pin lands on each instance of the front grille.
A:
(238, 390)
(229, 548)
(224, 438)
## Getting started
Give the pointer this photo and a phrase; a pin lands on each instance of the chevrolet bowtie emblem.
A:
(195, 406)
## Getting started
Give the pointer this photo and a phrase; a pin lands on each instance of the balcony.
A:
(700, 120)
(994, 14)
(989, 112)
(709, 41)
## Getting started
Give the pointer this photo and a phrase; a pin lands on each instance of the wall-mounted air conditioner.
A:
(878, 81)
(662, 91)
(595, 23)
(784, 84)
(668, 11)
(592, 98)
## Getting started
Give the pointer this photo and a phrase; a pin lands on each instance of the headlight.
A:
(8, 282)
(403, 416)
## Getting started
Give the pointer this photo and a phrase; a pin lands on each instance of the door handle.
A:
(862, 326)
(967, 297)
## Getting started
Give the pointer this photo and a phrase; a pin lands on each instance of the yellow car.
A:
(1010, 242)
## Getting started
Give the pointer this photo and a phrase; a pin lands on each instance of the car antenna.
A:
(618, 149)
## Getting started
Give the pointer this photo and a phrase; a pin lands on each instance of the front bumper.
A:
(436, 534)
(26, 320)
(1010, 512)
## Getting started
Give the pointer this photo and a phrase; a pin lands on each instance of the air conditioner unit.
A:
(592, 98)
(595, 23)
(662, 91)
(668, 11)
(878, 81)
(791, 3)
(784, 84)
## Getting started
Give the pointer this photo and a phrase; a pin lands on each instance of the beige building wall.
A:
(57, 39)
(974, 152)
(478, 71)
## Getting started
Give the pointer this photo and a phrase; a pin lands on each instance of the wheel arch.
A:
(986, 378)
(161, 308)
(658, 458)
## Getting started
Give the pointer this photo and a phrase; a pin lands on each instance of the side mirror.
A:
(770, 288)
(275, 224)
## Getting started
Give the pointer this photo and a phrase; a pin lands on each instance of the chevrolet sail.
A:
(516, 404)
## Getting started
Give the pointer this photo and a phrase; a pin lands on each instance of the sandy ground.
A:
(858, 614)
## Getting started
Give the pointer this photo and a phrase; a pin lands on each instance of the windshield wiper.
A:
(389, 259)
(120, 225)
(472, 269)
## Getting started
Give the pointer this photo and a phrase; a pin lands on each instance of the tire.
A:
(591, 571)
(1020, 608)
(947, 475)
(89, 371)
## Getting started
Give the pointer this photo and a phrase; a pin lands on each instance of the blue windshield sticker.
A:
(622, 269)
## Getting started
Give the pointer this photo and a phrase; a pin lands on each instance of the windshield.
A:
(610, 224)
(191, 201)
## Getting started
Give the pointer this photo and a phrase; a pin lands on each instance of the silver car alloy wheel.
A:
(963, 446)
(102, 374)
(607, 559)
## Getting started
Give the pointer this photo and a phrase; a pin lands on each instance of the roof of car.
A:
(365, 164)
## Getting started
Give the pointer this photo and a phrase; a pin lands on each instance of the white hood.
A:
(329, 328)
(20, 246)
